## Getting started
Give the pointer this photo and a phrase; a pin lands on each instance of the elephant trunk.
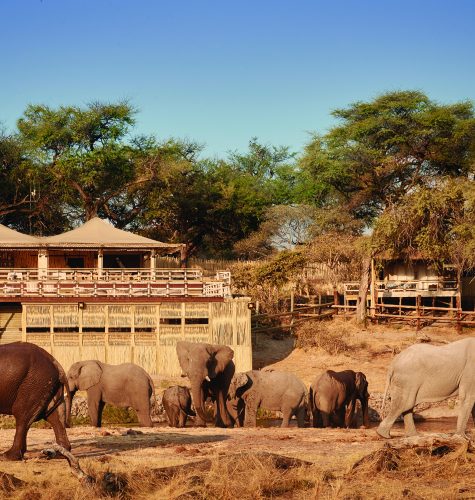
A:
(198, 398)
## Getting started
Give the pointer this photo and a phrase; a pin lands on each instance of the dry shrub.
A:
(244, 476)
(318, 334)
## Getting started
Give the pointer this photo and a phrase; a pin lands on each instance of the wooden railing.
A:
(440, 285)
(112, 283)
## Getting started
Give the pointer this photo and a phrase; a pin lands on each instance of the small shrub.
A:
(316, 334)
(114, 415)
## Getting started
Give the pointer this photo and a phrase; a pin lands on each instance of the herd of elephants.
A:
(34, 386)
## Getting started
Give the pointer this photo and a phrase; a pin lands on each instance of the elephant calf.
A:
(333, 398)
(125, 385)
(177, 403)
(273, 390)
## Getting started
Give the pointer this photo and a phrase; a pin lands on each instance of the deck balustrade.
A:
(112, 283)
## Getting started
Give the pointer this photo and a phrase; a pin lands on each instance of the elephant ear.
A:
(361, 383)
(89, 375)
(182, 350)
(222, 355)
(239, 380)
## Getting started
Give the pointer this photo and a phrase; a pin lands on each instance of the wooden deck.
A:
(19, 284)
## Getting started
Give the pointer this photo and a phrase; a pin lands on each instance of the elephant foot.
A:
(12, 455)
(462, 435)
(383, 432)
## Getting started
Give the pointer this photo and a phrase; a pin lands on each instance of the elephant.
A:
(125, 385)
(210, 369)
(425, 373)
(32, 388)
(272, 390)
(333, 395)
(177, 403)
(236, 408)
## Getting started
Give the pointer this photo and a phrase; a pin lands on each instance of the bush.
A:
(317, 334)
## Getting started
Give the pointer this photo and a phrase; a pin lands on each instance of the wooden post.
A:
(458, 300)
(183, 256)
(373, 291)
(418, 312)
(257, 322)
(335, 298)
(292, 306)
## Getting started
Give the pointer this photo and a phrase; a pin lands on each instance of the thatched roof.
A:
(93, 234)
(9, 238)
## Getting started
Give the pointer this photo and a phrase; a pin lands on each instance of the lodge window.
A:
(75, 262)
(196, 321)
(170, 321)
(6, 259)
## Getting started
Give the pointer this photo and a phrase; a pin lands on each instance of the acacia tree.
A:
(84, 150)
(385, 148)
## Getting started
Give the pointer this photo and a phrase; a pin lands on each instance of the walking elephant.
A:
(32, 387)
(426, 373)
(177, 403)
(125, 385)
(210, 369)
(333, 397)
(272, 390)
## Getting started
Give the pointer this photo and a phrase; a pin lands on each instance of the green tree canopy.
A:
(383, 148)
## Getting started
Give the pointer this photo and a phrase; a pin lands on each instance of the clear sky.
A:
(222, 71)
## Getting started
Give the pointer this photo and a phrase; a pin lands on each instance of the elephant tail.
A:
(153, 396)
(386, 389)
(66, 398)
(310, 399)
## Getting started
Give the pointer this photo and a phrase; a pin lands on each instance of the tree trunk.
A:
(361, 308)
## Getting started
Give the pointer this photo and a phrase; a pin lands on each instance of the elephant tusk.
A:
(207, 378)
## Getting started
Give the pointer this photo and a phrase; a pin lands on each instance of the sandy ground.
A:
(110, 448)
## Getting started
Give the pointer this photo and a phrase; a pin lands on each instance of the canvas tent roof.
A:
(9, 238)
(97, 233)
(94, 234)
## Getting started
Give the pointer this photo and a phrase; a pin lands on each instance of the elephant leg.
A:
(325, 418)
(94, 409)
(399, 406)
(317, 418)
(339, 417)
(223, 418)
(143, 415)
(182, 419)
(250, 418)
(18, 447)
(465, 409)
(349, 414)
(59, 430)
(409, 427)
(286, 416)
(301, 414)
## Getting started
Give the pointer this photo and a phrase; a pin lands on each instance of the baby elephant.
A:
(177, 403)
(333, 398)
(272, 390)
(125, 385)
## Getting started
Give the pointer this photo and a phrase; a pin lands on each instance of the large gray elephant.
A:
(333, 396)
(177, 403)
(125, 385)
(424, 373)
(272, 390)
(32, 388)
(210, 369)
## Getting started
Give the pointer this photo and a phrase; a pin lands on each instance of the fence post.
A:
(458, 302)
(418, 312)
(292, 305)
(256, 326)
(335, 298)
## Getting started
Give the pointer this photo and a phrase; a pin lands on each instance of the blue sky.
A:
(221, 72)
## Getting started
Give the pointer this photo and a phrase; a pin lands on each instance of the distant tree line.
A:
(394, 174)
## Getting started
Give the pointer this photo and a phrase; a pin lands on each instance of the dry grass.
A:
(317, 334)
(424, 472)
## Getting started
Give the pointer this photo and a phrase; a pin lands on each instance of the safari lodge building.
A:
(96, 292)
